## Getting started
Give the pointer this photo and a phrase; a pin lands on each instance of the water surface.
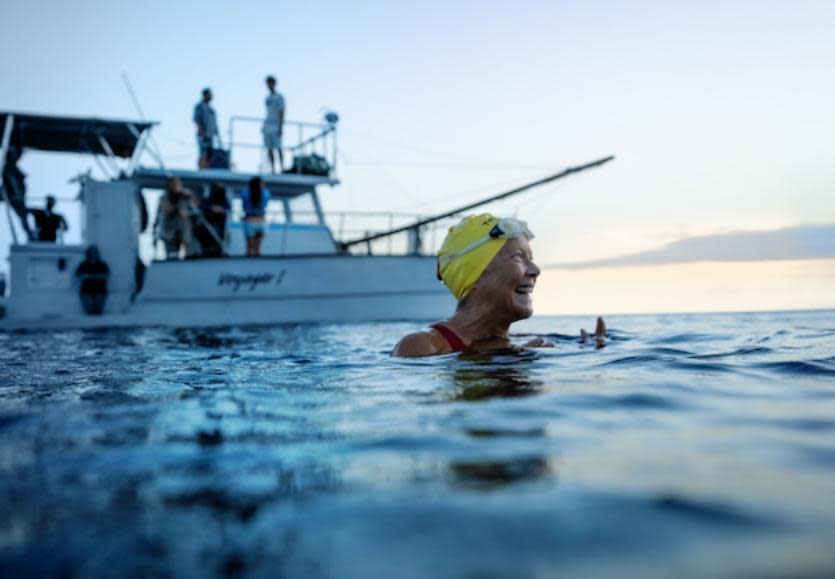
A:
(700, 445)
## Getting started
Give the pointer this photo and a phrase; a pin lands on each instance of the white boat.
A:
(304, 275)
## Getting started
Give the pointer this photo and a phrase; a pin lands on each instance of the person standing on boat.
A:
(274, 124)
(48, 222)
(206, 121)
(93, 273)
(255, 199)
(173, 224)
(14, 182)
(215, 209)
(488, 266)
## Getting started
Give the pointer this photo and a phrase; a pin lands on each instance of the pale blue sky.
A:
(720, 113)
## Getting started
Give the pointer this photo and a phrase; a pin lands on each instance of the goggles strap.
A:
(466, 249)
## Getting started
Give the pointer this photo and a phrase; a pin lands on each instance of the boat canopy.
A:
(62, 134)
(286, 185)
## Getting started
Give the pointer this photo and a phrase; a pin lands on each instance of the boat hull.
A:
(266, 290)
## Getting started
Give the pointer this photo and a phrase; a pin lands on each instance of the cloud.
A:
(804, 242)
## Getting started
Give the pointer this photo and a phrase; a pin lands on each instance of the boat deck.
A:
(281, 185)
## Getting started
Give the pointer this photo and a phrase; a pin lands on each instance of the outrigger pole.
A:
(344, 245)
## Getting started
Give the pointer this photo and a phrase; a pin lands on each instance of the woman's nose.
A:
(533, 269)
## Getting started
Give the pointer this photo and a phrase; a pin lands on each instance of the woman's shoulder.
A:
(423, 343)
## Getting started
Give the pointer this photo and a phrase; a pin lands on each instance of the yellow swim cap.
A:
(471, 245)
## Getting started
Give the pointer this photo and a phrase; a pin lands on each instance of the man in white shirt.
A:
(274, 124)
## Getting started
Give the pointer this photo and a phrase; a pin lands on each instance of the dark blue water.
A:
(693, 446)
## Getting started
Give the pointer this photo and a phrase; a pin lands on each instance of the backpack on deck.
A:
(312, 164)
(219, 159)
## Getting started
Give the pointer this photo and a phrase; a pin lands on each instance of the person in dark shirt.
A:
(205, 120)
(48, 222)
(93, 273)
(14, 182)
(215, 208)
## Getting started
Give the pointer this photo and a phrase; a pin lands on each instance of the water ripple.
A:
(305, 450)
(803, 368)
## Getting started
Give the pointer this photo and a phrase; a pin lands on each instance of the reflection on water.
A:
(496, 473)
(306, 451)
(504, 374)
(204, 338)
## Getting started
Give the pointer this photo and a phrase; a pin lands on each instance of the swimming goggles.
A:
(506, 228)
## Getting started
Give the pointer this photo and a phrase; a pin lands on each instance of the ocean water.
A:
(693, 446)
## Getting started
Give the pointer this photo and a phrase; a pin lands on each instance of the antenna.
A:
(133, 96)
(153, 142)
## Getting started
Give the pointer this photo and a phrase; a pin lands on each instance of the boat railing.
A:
(343, 225)
(299, 138)
(347, 225)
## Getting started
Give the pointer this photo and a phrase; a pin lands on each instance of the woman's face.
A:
(507, 283)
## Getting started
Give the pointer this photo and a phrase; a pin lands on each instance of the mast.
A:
(344, 245)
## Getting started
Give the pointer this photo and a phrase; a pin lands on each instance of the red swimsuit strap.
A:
(456, 343)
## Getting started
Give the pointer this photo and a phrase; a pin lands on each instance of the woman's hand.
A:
(599, 334)
(539, 342)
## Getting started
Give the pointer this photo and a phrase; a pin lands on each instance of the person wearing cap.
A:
(487, 264)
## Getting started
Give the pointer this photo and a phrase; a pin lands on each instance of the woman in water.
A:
(488, 266)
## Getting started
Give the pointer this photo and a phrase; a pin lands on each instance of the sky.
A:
(719, 114)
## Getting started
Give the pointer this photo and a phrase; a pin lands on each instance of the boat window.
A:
(303, 209)
(275, 212)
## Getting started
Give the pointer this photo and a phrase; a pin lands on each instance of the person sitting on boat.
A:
(173, 223)
(255, 199)
(274, 124)
(206, 121)
(488, 266)
(215, 209)
(48, 222)
(93, 273)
